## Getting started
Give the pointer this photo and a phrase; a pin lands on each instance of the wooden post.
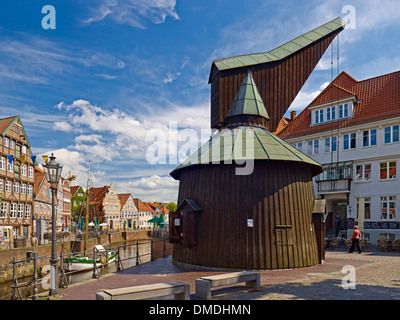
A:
(137, 253)
(94, 264)
(151, 250)
(61, 284)
(35, 288)
(15, 284)
(164, 248)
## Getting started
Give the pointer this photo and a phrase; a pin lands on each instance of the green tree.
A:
(171, 206)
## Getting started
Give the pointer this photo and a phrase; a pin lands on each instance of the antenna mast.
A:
(88, 191)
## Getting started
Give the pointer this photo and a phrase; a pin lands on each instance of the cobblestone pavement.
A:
(377, 277)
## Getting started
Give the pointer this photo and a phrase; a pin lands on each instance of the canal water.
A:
(127, 257)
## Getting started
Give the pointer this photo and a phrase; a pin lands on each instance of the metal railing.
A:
(100, 259)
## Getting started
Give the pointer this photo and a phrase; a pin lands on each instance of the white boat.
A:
(81, 262)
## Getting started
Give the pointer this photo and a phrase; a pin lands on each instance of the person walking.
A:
(355, 240)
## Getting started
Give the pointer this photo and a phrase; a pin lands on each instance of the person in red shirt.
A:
(355, 240)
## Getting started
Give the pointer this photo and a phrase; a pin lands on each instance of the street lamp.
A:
(53, 175)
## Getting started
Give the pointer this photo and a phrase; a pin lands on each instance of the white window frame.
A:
(28, 211)
(29, 190)
(24, 149)
(8, 186)
(10, 167)
(21, 211)
(23, 188)
(3, 209)
(6, 142)
(16, 187)
(3, 163)
(12, 144)
(389, 200)
(313, 147)
(391, 133)
(369, 138)
(30, 172)
(364, 177)
(23, 170)
(350, 138)
(329, 143)
(13, 210)
(387, 170)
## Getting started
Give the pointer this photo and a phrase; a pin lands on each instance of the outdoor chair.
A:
(396, 245)
(347, 243)
(334, 243)
(363, 244)
(383, 244)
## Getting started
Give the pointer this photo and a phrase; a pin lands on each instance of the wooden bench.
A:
(180, 291)
(204, 284)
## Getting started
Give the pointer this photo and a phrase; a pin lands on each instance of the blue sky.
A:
(113, 71)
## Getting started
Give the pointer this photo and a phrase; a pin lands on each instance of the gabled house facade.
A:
(145, 214)
(66, 203)
(104, 203)
(78, 202)
(16, 180)
(352, 129)
(129, 212)
(41, 204)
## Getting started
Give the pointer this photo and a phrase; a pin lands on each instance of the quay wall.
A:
(26, 268)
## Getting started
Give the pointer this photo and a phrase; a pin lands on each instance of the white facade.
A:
(369, 191)
(129, 214)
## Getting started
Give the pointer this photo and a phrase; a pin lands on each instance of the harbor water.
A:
(128, 259)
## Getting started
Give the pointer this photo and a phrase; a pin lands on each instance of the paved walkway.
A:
(377, 276)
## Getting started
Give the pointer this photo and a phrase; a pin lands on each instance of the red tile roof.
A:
(74, 189)
(97, 195)
(39, 176)
(142, 206)
(380, 99)
(5, 122)
(123, 198)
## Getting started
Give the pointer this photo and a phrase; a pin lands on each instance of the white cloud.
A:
(171, 77)
(152, 188)
(107, 76)
(48, 61)
(62, 126)
(134, 13)
(369, 15)
(302, 100)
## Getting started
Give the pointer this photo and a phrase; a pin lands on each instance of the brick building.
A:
(16, 179)
(104, 203)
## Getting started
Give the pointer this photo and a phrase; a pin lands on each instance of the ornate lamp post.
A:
(53, 175)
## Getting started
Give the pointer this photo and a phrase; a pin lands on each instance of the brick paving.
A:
(377, 277)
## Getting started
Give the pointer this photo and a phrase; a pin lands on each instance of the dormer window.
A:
(325, 114)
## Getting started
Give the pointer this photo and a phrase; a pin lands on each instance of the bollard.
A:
(119, 260)
(151, 250)
(94, 264)
(164, 249)
(137, 253)
(14, 285)
(35, 277)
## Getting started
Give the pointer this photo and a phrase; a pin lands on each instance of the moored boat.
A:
(83, 262)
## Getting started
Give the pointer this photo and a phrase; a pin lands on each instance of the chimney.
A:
(292, 115)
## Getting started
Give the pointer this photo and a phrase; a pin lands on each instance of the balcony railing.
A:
(336, 177)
